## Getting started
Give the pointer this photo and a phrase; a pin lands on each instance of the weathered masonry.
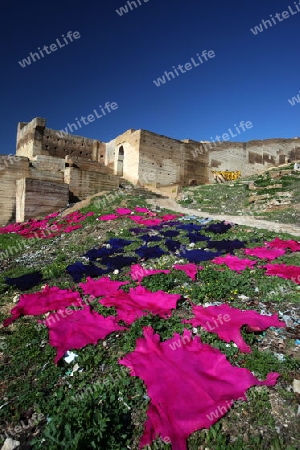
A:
(49, 170)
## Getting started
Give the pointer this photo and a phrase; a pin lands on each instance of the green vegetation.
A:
(101, 405)
(232, 198)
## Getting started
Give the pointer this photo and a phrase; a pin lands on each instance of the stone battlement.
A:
(82, 166)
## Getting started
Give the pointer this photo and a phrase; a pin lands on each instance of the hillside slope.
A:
(92, 402)
(273, 195)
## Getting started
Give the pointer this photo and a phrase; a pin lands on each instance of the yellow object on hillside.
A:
(221, 176)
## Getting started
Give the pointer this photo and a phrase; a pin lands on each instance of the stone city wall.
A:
(161, 159)
(36, 198)
(35, 139)
(19, 168)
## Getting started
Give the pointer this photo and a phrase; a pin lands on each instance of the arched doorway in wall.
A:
(120, 161)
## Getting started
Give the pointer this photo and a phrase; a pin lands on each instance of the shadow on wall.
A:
(120, 161)
(73, 198)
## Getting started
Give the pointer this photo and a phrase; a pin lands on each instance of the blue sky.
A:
(117, 58)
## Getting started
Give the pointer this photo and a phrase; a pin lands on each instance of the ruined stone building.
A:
(51, 168)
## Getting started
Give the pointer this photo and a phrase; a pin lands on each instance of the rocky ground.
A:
(273, 196)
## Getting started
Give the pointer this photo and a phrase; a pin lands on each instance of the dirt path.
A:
(240, 220)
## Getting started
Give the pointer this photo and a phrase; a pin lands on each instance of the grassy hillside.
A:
(93, 403)
(280, 199)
